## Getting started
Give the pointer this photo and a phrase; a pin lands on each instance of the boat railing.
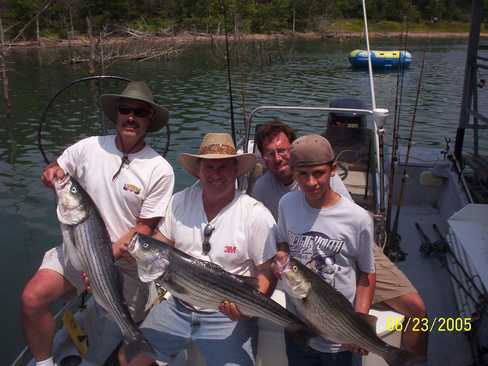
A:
(25, 356)
(378, 117)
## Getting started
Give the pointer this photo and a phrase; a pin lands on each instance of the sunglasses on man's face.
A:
(139, 112)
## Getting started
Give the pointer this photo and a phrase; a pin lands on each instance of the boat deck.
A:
(434, 285)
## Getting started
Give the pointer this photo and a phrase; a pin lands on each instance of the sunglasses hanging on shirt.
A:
(207, 232)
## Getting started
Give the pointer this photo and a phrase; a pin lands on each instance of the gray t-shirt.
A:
(337, 241)
(269, 190)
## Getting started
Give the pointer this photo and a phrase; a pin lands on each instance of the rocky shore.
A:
(187, 38)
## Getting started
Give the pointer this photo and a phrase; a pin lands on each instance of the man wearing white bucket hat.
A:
(130, 183)
(213, 221)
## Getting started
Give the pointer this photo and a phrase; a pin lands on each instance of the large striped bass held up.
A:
(87, 245)
(204, 284)
(332, 316)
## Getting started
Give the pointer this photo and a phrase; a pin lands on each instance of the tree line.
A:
(65, 18)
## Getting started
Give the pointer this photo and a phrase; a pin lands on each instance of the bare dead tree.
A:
(3, 70)
(38, 33)
(35, 17)
(91, 62)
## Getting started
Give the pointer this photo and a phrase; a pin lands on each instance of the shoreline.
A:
(189, 38)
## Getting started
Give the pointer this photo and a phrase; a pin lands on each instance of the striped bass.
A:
(332, 316)
(87, 245)
(205, 284)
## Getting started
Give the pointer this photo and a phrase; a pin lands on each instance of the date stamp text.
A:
(437, 324)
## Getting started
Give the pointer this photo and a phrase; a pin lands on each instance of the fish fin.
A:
(166, 281)
(138, 346)
(251, 281)
(370, 319)
(70, 252)
(399, 357)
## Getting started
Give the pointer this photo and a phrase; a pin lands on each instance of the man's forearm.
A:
(266, 278)
(143, 226)
(365, 292)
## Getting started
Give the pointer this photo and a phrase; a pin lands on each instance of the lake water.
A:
(194, 88)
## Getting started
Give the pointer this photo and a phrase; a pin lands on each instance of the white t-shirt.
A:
(337, 241)
(244, 234)
(142, 189)
(269, 190)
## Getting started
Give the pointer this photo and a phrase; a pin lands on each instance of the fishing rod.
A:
(457, 167)
(229, 79)
(444, 247)
(98, 79)
(440, 248)
(396, 127)
(379, 117)
(393, 250)
(53, 99)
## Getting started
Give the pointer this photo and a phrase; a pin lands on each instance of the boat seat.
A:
(352, 146)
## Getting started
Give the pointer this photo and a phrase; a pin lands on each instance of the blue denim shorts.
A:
(171, 326)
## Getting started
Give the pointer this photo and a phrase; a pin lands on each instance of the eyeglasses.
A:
(207, 232)
(270, 154)
(139, 112)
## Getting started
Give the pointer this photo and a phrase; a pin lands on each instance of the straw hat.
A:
(217, 146)
(136, 90)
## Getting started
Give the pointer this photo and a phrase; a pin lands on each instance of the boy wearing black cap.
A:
(323, 229)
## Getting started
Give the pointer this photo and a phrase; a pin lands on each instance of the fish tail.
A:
(138, 346)
(399, 357)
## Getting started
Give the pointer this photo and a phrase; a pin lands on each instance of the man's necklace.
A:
(125, 157)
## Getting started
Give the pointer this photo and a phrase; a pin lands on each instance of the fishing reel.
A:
(75, 112)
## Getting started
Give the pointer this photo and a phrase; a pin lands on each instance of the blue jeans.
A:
(307, 356)
(170, 326)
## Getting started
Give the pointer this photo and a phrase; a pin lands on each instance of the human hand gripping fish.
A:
(153, 263)
(52, 173)
(329, 314)
(281, 266)
(205, 284)
(87, 246)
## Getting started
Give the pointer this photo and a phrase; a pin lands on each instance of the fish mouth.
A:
(296, 287)
(282, 266)
(133, 243)
(150, 264)
(61, 183)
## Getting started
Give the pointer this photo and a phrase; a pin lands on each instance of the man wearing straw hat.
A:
(130, 183)
(213, 221)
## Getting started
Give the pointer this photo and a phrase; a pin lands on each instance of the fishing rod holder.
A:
(380, 115)
(441, 250)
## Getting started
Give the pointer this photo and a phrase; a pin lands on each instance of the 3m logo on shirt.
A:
(131, 188)
(230, 249)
